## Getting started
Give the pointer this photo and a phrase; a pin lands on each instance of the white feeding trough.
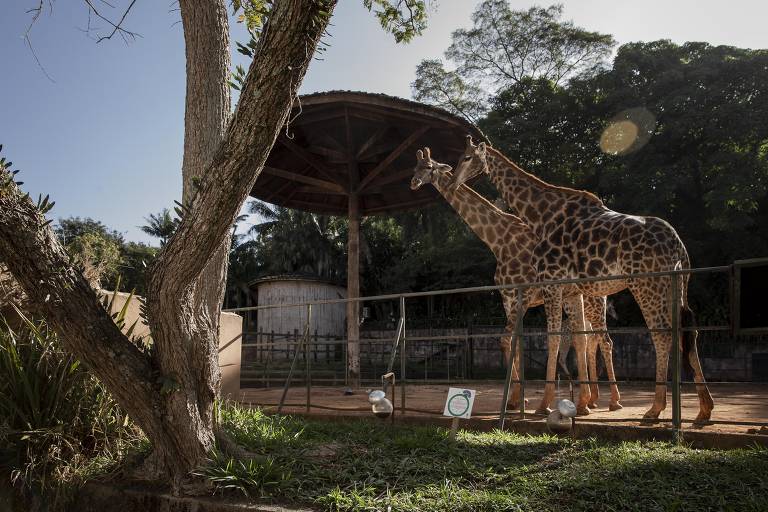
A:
(560, 420)
(380, 404)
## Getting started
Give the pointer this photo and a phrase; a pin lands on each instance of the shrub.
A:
(57, 422)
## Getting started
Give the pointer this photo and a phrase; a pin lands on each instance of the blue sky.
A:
(105, 137)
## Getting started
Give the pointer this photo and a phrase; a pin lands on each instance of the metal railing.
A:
(398, 345)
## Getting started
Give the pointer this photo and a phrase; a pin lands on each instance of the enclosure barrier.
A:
(303, 344)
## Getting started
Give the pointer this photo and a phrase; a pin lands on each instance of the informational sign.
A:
(459, 403)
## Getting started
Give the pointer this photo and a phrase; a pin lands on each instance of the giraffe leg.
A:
(594, 389)
(595, 313)
(689, 338)
(507, 342)
(554, 309)
(580, 347)
(652, 295)
(514, 359)
(606, 348)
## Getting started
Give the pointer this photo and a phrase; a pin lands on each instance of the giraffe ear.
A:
(469, 142)
(429, 153)
(419, 155)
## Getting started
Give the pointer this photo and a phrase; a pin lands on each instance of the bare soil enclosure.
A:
(733, 403)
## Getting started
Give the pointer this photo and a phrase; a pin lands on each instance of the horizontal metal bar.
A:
(492, 334)
(475, 289)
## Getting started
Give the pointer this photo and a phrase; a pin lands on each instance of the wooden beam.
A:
(372, 140)
(392, 177)
(331, 141)
(329, 153)
(392, 156)
(376, 114)
(309, 189)
(316, 117)
(384, 147)
(308, 157)
(328, 185)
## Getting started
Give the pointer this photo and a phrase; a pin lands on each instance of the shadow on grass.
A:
(370, 465)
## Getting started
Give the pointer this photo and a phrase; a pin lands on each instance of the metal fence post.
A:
(307, 363)
(402, 358)
(293, 364)
(676, 370)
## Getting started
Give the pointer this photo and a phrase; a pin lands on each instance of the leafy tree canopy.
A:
(503, 48)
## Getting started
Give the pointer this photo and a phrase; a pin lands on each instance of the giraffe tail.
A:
(687, 317)
(688, 338)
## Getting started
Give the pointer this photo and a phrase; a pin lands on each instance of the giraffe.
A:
(578, 236)
(512, 243)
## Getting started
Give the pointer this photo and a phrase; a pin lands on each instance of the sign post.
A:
(458, 405)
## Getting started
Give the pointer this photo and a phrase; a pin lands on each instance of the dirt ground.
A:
(733, 402)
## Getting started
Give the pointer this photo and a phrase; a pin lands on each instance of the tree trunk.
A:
(170, 395)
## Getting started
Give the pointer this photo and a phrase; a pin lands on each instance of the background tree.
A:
(503, 48)
(72, 227)
(98, 256)
(160, 225)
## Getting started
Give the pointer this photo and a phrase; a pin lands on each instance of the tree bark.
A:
(171, 394)
(183, 307)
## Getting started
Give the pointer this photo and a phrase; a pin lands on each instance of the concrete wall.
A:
(230, 340)
(724, 358)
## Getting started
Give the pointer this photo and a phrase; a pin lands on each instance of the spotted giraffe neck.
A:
(529, 196)
(494, 227)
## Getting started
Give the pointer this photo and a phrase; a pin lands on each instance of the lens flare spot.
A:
(618, 137)
(628, 131)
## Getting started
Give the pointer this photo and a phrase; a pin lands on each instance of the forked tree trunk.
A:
(171, 394)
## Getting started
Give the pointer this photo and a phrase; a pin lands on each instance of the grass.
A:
(368, 465)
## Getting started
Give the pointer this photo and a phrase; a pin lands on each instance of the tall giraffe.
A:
(512, 243)
(578, 236)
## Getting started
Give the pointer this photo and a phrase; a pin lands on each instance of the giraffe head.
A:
(471, 163)
(426, 170)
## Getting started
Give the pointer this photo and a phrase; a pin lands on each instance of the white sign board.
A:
(459, 403)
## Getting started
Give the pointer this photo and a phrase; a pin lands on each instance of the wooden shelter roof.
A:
(344, 142)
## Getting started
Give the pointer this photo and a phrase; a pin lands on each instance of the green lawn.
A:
(369, 465)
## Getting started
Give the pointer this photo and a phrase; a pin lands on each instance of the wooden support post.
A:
(353, 291)
(353, 262)
(454, 429)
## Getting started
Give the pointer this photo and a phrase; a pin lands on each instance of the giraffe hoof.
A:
(592, 405)
(582, 411)
(615, 406)
(651, 416)
(543, 411)
(516, 405)
(702, 419)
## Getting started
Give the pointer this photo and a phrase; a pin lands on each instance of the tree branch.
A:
(42, 268)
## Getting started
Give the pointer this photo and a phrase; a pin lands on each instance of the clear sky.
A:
(104, 138)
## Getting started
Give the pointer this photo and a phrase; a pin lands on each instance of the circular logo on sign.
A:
(458, 404)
